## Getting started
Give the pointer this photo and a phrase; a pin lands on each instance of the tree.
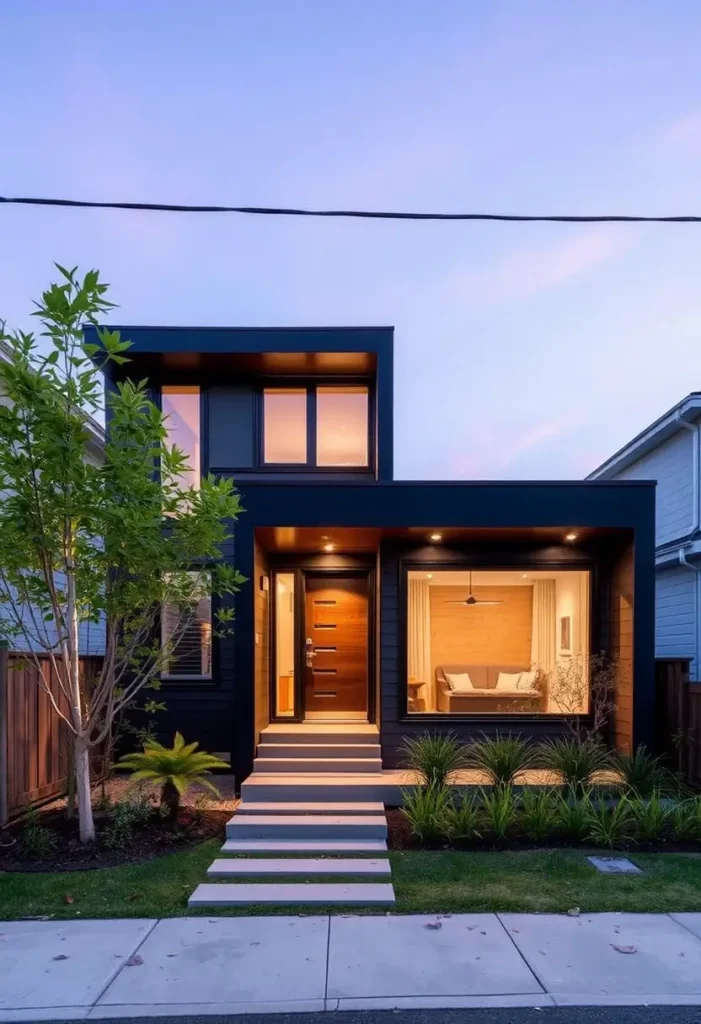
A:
(113, 543)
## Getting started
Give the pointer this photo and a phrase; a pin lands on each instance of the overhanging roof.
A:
(663, 428)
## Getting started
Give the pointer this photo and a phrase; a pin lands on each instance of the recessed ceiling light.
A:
(436, 537)
(571, 536)
(429, 575)
(524, 575)
(328, 547)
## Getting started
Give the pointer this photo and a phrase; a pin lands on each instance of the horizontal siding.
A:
(675, 615)
(670, 464)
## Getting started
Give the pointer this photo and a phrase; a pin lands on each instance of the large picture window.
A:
(339, 439)
(186, 633)
(498, 642)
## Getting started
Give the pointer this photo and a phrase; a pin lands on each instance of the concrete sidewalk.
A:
(208, 965)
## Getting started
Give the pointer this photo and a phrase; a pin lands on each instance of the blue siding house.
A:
(668, 452)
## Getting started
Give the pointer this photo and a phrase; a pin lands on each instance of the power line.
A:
(282, 211)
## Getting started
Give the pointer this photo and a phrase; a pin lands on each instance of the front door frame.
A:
(301, 570)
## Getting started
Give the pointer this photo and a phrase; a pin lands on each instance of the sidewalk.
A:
(207, 965)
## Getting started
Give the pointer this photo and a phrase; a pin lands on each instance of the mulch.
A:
(69, 854)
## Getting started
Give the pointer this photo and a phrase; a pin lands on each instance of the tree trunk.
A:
(70, 795)
(170, 798)
(86, 825)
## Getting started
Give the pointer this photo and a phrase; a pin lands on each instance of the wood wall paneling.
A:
(488, 635)
(262, 642)
(622, 649)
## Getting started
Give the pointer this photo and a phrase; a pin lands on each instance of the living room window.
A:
(498, 642)
(325, 426)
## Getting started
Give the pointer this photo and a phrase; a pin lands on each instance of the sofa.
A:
(484, 697)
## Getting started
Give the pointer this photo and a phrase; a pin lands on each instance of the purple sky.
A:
(521, 351)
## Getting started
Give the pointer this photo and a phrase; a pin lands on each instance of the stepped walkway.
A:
(310, 829)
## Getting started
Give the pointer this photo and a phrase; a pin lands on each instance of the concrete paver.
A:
(419, 955)
(608, 954)
(63, 963)
(227, 960)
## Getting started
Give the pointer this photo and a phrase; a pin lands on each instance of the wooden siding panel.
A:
(622, 649)
(261, 641)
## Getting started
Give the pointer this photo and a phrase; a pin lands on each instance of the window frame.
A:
(490, 719)
(202, 682)
(203, 454)
(310, 385)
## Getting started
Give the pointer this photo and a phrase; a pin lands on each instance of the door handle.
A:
(310, 657)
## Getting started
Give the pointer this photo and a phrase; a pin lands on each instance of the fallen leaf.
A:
(134, 961)
(61, 956)
(68, 899)
(433, 924)
(515, 931)
(623, 949)
(483, 933)
(573, 912)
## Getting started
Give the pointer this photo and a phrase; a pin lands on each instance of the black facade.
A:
(489, 525)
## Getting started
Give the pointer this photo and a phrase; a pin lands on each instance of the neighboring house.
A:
(376, 609)
(668, 451)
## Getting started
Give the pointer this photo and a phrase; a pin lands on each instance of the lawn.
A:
(428, 881)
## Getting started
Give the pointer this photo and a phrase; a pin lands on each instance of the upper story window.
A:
(181, 407)
(285, 425)
(319, 426)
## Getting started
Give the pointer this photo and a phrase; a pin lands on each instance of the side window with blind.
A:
(186, 630)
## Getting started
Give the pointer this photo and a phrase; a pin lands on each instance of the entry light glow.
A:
(436, 537)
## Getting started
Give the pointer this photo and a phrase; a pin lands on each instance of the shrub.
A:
(463, 818)
(574, 761)
(501, 759)
(686, 820)
(174, 768)
(498, 811)
(435, 757)
(650, 816)
(572, 815)
(128, 816)
(38, 840)
(426, 808)
(642, 774)
(538, 813)
(610, 822)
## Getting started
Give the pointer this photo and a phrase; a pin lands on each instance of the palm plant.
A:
(501, 759)
(575, 761)
(174, 769)
(435, 757)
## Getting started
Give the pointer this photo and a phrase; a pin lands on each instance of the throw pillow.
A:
(508, 681)
(459, 682)
(526, 681)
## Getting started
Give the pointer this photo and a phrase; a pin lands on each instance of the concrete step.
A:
(328, 765)
(281, 807)
(238, 846)
(365, 894)
(306, 826)
(228, 867)
(320, 732)
(306, 750)
(313, 787)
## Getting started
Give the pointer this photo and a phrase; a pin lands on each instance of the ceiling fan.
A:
(471, 600)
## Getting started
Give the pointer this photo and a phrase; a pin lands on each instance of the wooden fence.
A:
(678, 720)
(33, 740)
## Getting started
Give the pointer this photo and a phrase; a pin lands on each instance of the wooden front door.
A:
(336, 644)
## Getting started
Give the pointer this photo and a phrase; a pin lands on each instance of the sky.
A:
(527, 351)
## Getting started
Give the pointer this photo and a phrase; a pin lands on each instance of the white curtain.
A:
(544, 625)
(419, 631)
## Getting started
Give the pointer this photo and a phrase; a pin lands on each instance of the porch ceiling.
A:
(366, 538)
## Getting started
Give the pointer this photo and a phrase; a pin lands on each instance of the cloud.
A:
(530, 271)
(494, 451)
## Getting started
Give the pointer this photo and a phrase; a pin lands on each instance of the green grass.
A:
(426, 881)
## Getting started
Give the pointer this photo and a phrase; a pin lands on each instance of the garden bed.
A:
(67, 853)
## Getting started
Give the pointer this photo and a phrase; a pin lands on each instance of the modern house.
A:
(376, 609)
(668, 451)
